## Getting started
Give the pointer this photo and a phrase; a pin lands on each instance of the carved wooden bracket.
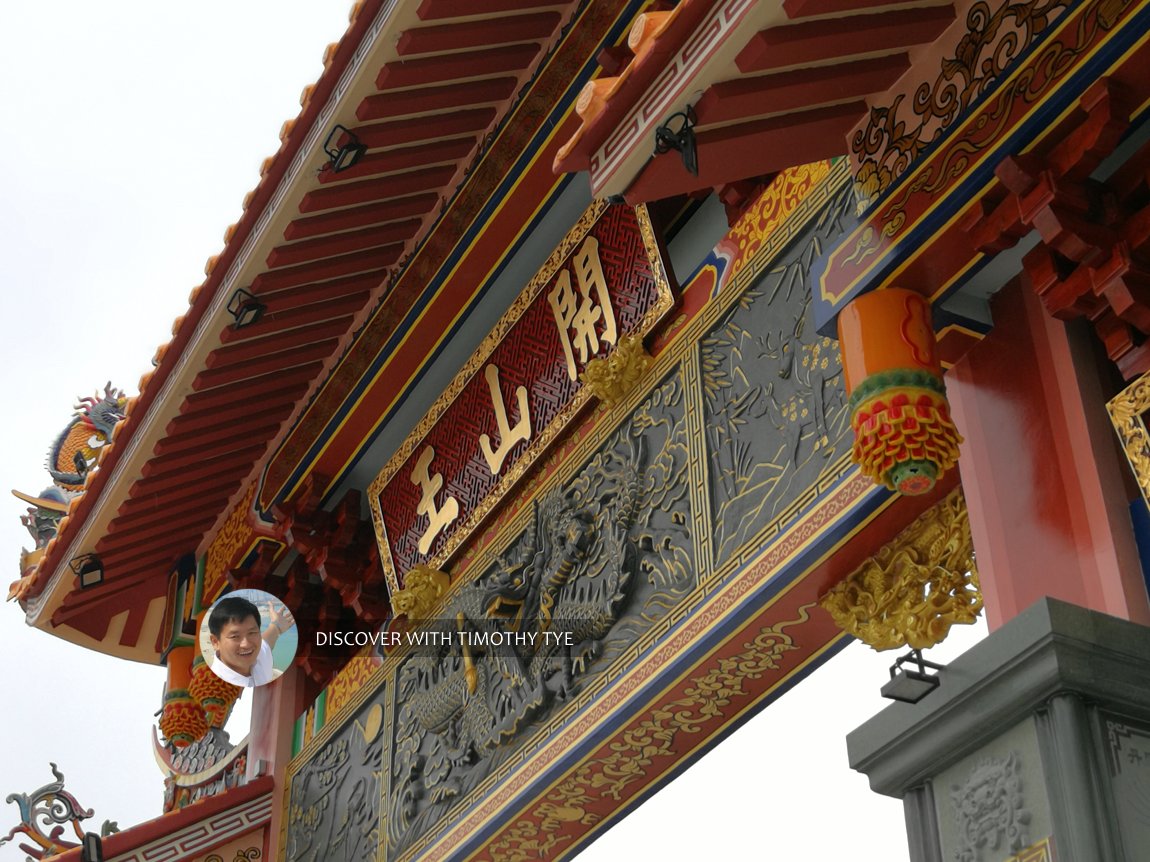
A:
(1095, 237)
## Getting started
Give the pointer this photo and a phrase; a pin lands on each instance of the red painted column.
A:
(274, 709)
(1041, 467)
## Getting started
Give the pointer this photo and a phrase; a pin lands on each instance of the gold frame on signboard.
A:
(665, 300)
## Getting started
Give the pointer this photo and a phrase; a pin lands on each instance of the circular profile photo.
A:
(248, 638)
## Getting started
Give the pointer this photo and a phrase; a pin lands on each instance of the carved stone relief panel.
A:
(603, 557)
(1128, 761)
(993, 804)
(775, 403)
(334, 798)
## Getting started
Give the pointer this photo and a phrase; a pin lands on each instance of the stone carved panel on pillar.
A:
(989, 807)
(334, 798)
(775, 403)
(1128, 760)
(603, 558)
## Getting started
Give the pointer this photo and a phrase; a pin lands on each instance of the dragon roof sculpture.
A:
(72, 454)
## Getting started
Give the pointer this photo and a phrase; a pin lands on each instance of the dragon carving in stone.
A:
(516, 641)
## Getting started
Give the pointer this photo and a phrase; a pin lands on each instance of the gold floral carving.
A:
(424, 588)
(613, 376)
(914, 589)
(1127, 412)
(659, 735)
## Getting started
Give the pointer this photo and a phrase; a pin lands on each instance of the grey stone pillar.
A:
(1034, 747)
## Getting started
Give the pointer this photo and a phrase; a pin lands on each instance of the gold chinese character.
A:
(508, 436)
(582, 312)
(438, 518)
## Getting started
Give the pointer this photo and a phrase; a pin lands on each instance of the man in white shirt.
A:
(243, 653)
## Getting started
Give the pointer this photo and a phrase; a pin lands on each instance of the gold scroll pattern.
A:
(235, 537)
(893, 137)
(658, 735)
(916, 587)
(1127, 412)
(771, 210)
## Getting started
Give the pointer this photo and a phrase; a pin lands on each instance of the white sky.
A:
(132, 131)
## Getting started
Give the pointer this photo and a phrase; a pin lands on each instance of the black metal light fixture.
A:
(245, 308)
(346, 155)
(89, 569)
(681, 140)
(92, 849)
(910, 685)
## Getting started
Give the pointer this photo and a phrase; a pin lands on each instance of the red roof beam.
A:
(221, 435)
(215, 398)
(369, 191)
(175, 477)
(126, 529)
(430, 128)
(135, 528)
(207, 466)
(305, 294)
(329, 246)
(408, 158)
(763, 95)
(189, 460)
(321, 328)
(808, 8)
(818, 41)
(296, 356)
(301, 325)
(454, 67)
(439, 9)
(373, 214)
(328, 268)
(401, 103)
(479, 33)
(732, 153)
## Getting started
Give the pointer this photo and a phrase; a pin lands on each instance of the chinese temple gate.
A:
(620, 364)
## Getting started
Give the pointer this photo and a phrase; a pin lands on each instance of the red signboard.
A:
(520, 389)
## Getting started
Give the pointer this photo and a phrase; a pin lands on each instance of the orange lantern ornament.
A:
(904, 436)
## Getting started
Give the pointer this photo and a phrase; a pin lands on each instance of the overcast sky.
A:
(132, 131)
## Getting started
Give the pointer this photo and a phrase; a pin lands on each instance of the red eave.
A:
(364, 13)
(333, 246)
(778, 89)
(120, 843)
(632, 83)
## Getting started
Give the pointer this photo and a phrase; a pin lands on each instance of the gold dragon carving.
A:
(612, 377)
(916, 587)
(423, 588)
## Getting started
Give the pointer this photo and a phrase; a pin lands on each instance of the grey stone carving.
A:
(776, 416)
(333, 813)
(604, 557)
(989, 811)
